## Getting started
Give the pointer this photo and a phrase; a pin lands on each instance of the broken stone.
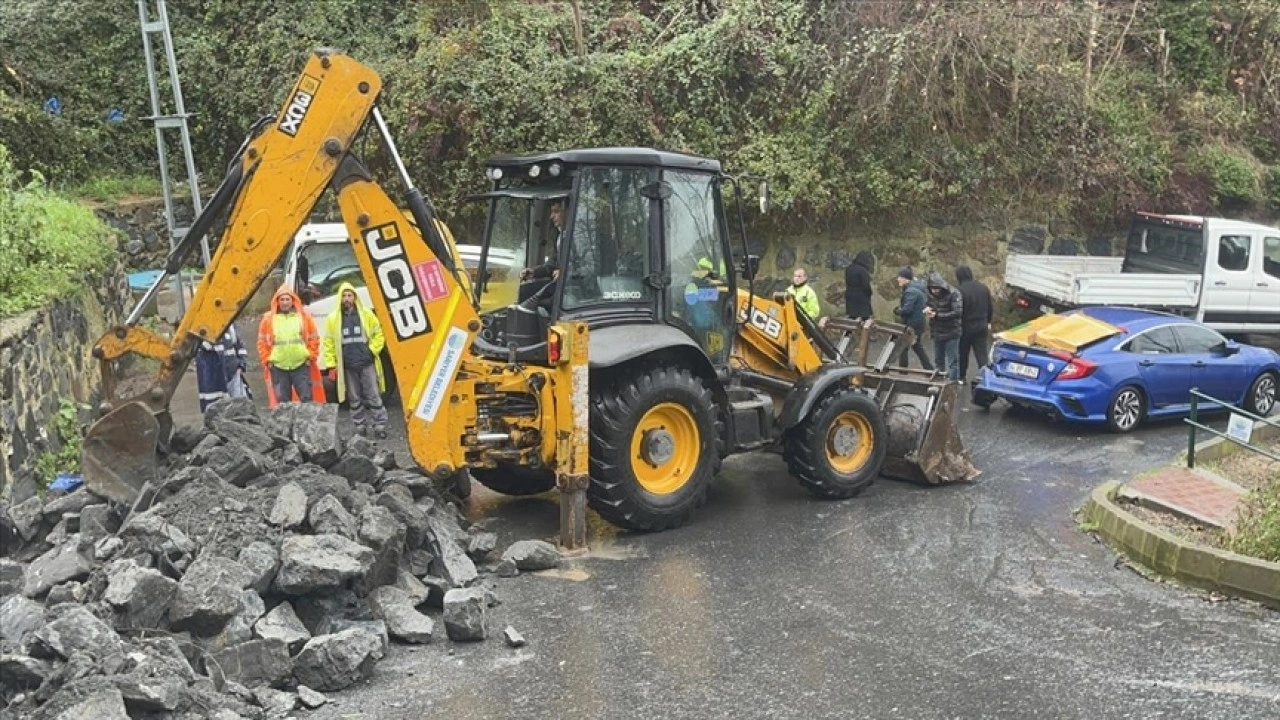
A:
(59, 534)
(185, 437)
(58, 565)
(275, 702)
(315, 430)
(419, 484)
(20, 617)
(310, 698)
(235, 409)
(377, 627)
(317, 562)
(465, 614)
(327, 516)
(533, 555)
(240, 627)
(242, 434)
(107, 547)
(399, 501)
(208, 595)
(436, 588)
(97, 522)
(333, 662)
(19, 672)
(160, 657)
(385, 458)
(290, 508)
(236, 465)
(512, 637)
(412, 586)
(260, 560)
(357, 469)
(481, 544)
(507, 568)
(67, 592)
(291, 456)
(11, 577)
(156, 535)
(380, 530)
(146, 694)
(77, 630)
(27, 516)
(418, 561)
(395, 607)
(448, 543)
(73, 502)
(104, 704)
(283, 624)
(203, 450)
(140, 595)
(254, 663)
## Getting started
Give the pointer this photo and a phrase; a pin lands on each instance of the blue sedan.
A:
(1120, 365)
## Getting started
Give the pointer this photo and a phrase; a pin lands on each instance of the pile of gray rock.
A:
(274, 562)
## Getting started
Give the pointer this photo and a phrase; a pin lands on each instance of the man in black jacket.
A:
(538, 283)
(857, 286)
(975, 325)
(946, 307)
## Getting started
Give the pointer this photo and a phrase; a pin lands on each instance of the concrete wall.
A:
(45, 357)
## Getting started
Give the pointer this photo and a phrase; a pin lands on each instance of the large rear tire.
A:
(839, 449)
(515, 479)
(653, 447)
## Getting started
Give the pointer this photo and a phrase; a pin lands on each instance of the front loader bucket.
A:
(118, 456)
(924, 444)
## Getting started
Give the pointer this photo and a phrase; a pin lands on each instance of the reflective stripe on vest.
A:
(288, 352)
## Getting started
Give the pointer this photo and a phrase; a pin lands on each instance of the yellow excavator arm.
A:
(414, 279)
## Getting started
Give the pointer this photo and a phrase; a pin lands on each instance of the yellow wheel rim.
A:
(664, 448)
(849, 442)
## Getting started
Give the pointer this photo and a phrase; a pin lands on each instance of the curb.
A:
(1192, 564)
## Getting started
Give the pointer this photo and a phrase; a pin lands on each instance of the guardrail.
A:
(1194, 423)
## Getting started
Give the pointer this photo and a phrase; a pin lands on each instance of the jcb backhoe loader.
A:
(623, 379)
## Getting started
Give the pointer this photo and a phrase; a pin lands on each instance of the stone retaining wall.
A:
(45, 357)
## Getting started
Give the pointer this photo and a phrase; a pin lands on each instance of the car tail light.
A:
(1075, 368)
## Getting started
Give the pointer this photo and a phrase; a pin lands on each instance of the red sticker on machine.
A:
(430, 276)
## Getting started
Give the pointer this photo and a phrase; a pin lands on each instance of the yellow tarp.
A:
(1060, 332)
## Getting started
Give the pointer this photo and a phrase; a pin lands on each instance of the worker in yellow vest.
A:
(288, 345)
(806, 298)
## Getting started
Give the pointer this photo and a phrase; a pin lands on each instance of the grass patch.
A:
(112, 188)
(1258, 527)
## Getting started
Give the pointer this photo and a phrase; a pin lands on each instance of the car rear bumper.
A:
(1078, 401)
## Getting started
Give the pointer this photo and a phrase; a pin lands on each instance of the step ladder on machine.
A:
(155, 22)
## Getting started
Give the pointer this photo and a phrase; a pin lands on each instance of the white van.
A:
(1223, 273)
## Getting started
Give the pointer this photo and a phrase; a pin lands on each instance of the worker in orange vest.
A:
(288, 345)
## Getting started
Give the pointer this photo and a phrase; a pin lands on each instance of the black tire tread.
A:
(1248, 398)
(803, 444)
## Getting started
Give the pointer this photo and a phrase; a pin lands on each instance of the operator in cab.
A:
(539, 282)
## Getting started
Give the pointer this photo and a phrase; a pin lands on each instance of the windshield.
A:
(520, 236)
(1155, 248)
(322, 267)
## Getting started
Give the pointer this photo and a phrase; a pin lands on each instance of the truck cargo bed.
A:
(1074, 281)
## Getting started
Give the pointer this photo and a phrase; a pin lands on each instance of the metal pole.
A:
(180, 110)
(1191, 434)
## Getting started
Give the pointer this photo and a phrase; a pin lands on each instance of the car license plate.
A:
(1026, 371)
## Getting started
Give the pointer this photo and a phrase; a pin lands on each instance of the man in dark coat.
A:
(910, 312)
(946, 307)
(857, 286)
(975, 324)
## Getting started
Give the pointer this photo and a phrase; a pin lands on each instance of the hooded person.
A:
(220, 369)
(975, 323)
(910, 312)
(353, 340)
(288, 346)
(946, 308)
(857, 286)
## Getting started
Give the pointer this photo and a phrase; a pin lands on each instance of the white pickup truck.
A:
(1223, 273)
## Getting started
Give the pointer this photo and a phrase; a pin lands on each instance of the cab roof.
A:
(648, 157)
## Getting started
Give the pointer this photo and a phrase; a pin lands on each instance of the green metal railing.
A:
(1194, 423)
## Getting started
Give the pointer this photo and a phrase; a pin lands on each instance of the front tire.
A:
(1126, 409)
(1261, 399)
(839, 449)
(653, 447)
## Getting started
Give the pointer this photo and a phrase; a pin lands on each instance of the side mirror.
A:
(1229, 348)
(750, 267)
(764, 197)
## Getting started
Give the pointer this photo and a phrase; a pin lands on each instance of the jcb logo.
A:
(404, 302)
(765, 324)
(298, 106)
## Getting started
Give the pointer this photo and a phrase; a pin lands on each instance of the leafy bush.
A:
(1234, 176)
(47, 243)
(1258, 526)
(65, 455)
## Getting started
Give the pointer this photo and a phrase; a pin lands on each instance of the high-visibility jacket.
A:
(310, 339)
(331, 350)
(806, 299)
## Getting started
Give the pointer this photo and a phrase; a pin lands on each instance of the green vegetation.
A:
(109, 188)
(47, 243)
(1258, 527)
(1081, 110)
(65, 455)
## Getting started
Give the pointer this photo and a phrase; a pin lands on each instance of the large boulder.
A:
(283, 624)
(315, 429)
(382, 531)
(261, 561)
(140, 596)
(333, 662)
(532, 555)
(290, 508)
(449, 544)
(236, 465)
(208, 595)
(395, 607)
(19, 619)
(253, 663)
(465, 614)
(60, 564)
(328, 516)
(157, 535)
(318, 562)
(242, 434)
(77, 631)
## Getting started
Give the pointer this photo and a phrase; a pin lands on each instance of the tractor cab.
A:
(610, 236)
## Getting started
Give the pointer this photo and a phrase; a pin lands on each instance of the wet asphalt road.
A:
(981, 600)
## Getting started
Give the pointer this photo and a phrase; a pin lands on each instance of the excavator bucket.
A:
(918, 406)
(118, 456)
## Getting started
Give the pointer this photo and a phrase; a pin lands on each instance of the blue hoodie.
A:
(911, 310)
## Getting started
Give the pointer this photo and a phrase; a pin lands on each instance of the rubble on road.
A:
(275, 561)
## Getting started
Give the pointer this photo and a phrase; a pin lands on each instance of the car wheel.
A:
(1262, 394)
(1126, 409)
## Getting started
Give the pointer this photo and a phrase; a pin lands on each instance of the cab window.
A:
(1271, 256)
(609, 248)
(1233, 252)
